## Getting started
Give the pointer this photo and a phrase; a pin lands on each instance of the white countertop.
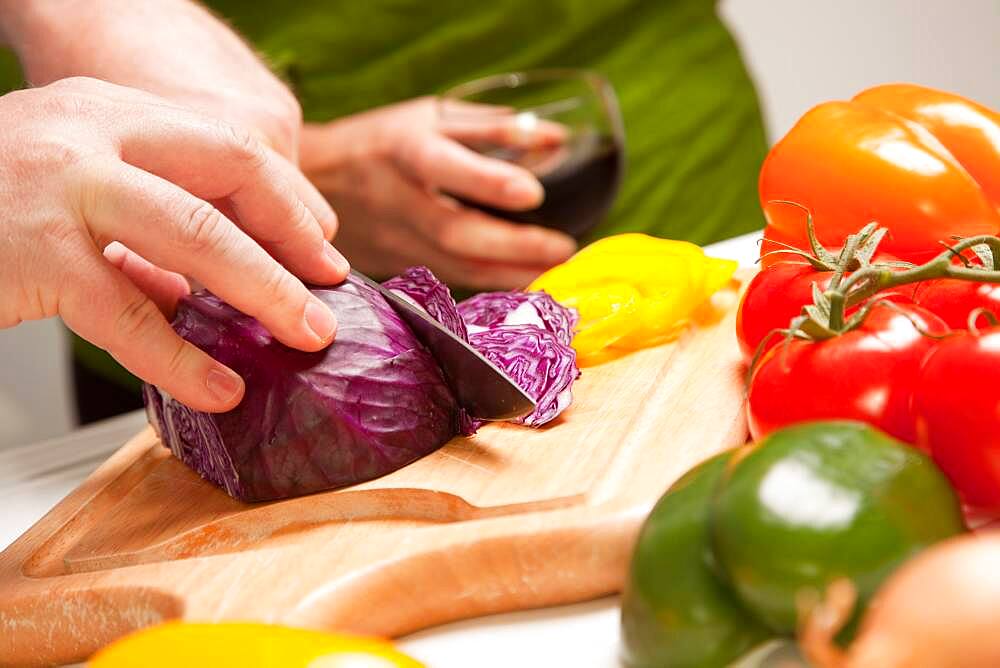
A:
(33, 478)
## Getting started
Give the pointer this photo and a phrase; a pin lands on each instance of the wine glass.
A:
(563, 125)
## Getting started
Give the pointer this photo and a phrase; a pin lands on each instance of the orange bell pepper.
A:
(922, 163)
(970, 131)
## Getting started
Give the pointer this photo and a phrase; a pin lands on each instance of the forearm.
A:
(174, 49)
(112, 39)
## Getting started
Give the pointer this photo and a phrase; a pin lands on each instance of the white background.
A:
(800, 52)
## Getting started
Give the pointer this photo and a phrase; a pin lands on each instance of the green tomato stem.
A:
(827, 316)
(865, 282)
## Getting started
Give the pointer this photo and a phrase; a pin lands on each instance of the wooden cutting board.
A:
(511, 518)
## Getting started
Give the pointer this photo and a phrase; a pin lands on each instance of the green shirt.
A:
(695, 138)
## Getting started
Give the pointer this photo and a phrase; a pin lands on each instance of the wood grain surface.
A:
(511, 518)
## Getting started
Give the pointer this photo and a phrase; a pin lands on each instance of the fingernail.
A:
(320, 320)
(223, 384)
(524, 192)
(336, 260)
(115, 253)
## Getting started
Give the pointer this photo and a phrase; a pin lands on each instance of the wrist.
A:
(318, 143)
(362, 136)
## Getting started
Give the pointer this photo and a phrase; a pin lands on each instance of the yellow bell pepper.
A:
(246, 645)
(633, 291)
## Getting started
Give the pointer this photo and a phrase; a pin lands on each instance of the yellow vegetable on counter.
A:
(633, 291)
(246, 645)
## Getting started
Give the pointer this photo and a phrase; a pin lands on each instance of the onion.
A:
(939, 609)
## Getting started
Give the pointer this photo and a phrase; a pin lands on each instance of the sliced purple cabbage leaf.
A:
(542, 365)
(421, 287)
(492, 309)
(548, 379)
(371, 403)
(527, 334)
(367, 405)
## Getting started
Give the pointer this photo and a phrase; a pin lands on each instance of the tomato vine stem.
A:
(856, 279)
(865, 282)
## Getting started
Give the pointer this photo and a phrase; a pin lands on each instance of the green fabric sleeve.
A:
(10, 71)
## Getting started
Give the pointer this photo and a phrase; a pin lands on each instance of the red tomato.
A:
(777, 294)
(957, 408)
(867, 374)
(953, 299)
(852, 164)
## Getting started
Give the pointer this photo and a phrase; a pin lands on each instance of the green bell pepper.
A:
(676, 613)
(725, 557)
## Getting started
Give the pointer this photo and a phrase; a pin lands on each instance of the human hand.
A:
(107, 191)
(384, 171)
(172, 48)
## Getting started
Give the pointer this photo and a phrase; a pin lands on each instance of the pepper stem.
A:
(822, 620)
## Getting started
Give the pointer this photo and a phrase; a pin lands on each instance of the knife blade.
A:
(483, 389)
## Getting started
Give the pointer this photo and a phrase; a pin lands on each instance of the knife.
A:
(483, 389)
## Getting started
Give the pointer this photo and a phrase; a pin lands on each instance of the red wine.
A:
(580, 179)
